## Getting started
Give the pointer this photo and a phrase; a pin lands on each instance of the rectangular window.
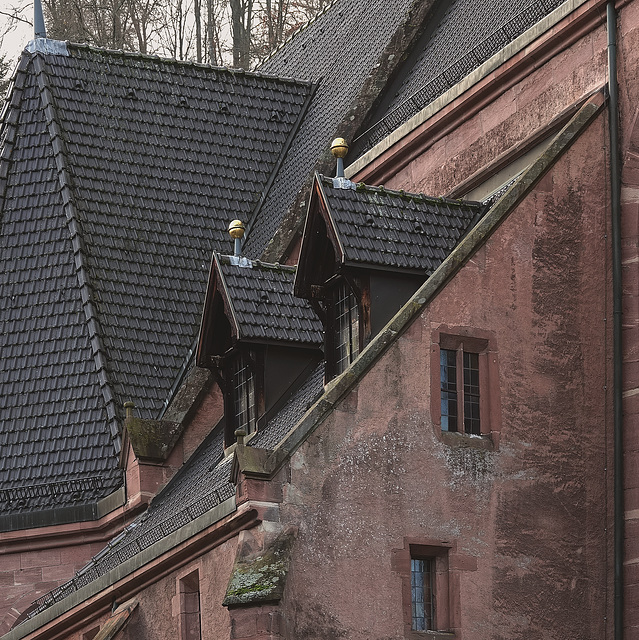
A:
(422, 585)
(190, 621)
(459, 384)
(243, 388)
(346, 327)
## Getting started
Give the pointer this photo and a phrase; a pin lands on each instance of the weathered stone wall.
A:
(525, 524)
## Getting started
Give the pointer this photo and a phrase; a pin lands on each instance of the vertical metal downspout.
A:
(615, 202)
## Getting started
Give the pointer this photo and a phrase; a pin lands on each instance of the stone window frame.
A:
(445, 587)
(189, 605)
(483, 343)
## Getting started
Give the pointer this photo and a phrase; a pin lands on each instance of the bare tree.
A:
(241, 25)
(241, 33)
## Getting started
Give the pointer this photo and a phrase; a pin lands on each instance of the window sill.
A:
(431, 635)
(457, 439)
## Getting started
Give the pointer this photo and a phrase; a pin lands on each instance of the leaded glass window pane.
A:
(244, 394)
(346, 329)
(422, 578)
(448, 378)
(471, 393)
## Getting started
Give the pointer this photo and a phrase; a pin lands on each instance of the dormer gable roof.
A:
(378, 228)
(257, 300)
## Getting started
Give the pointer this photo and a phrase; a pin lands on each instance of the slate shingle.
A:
(391, 229)
(265, 308)
(121, 182)
(199, 485)
(468, 34)
(329, 48)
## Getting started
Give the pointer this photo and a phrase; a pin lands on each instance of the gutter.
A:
(615, 210)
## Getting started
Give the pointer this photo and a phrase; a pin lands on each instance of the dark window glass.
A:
(346, 328)
(471, 393)
(243, 385)
(459, 390)
(448, 377)
(422, 580)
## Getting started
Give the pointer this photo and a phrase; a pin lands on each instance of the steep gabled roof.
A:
(351, 50)
(378, 228)
(258, 302)
(121, 173)
(415, 51)
(199, 486)
(204, 481)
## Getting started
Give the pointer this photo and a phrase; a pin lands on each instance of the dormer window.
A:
(258, 339)
(346, 327)
(243, 387)
(365, 251)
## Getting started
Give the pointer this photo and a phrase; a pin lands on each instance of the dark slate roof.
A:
(201, 484)
(122, 173)
(340, 48)
(468, 34)
(291, 413)
(393, 229)
(260, 296)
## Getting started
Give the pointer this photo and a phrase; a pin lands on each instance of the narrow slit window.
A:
(346, 327)
(243, 384)
(422, 583)
(448, 379)
(190, 607)
(471, 393)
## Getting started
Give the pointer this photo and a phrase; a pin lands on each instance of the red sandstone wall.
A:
(29, 574)
(628, 52)
(530, 556)
(158, 613)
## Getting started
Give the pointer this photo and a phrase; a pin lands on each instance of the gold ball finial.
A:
(236, 229)
(339, 148)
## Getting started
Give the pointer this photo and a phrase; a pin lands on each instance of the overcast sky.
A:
(15, 41)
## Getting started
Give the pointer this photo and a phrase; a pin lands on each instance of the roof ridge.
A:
(75, 234)
(9, 121)
(185, 63)
(400, 193)
(280, 160)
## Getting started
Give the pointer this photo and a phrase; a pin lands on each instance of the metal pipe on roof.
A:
(39, 28)
(615, 206)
